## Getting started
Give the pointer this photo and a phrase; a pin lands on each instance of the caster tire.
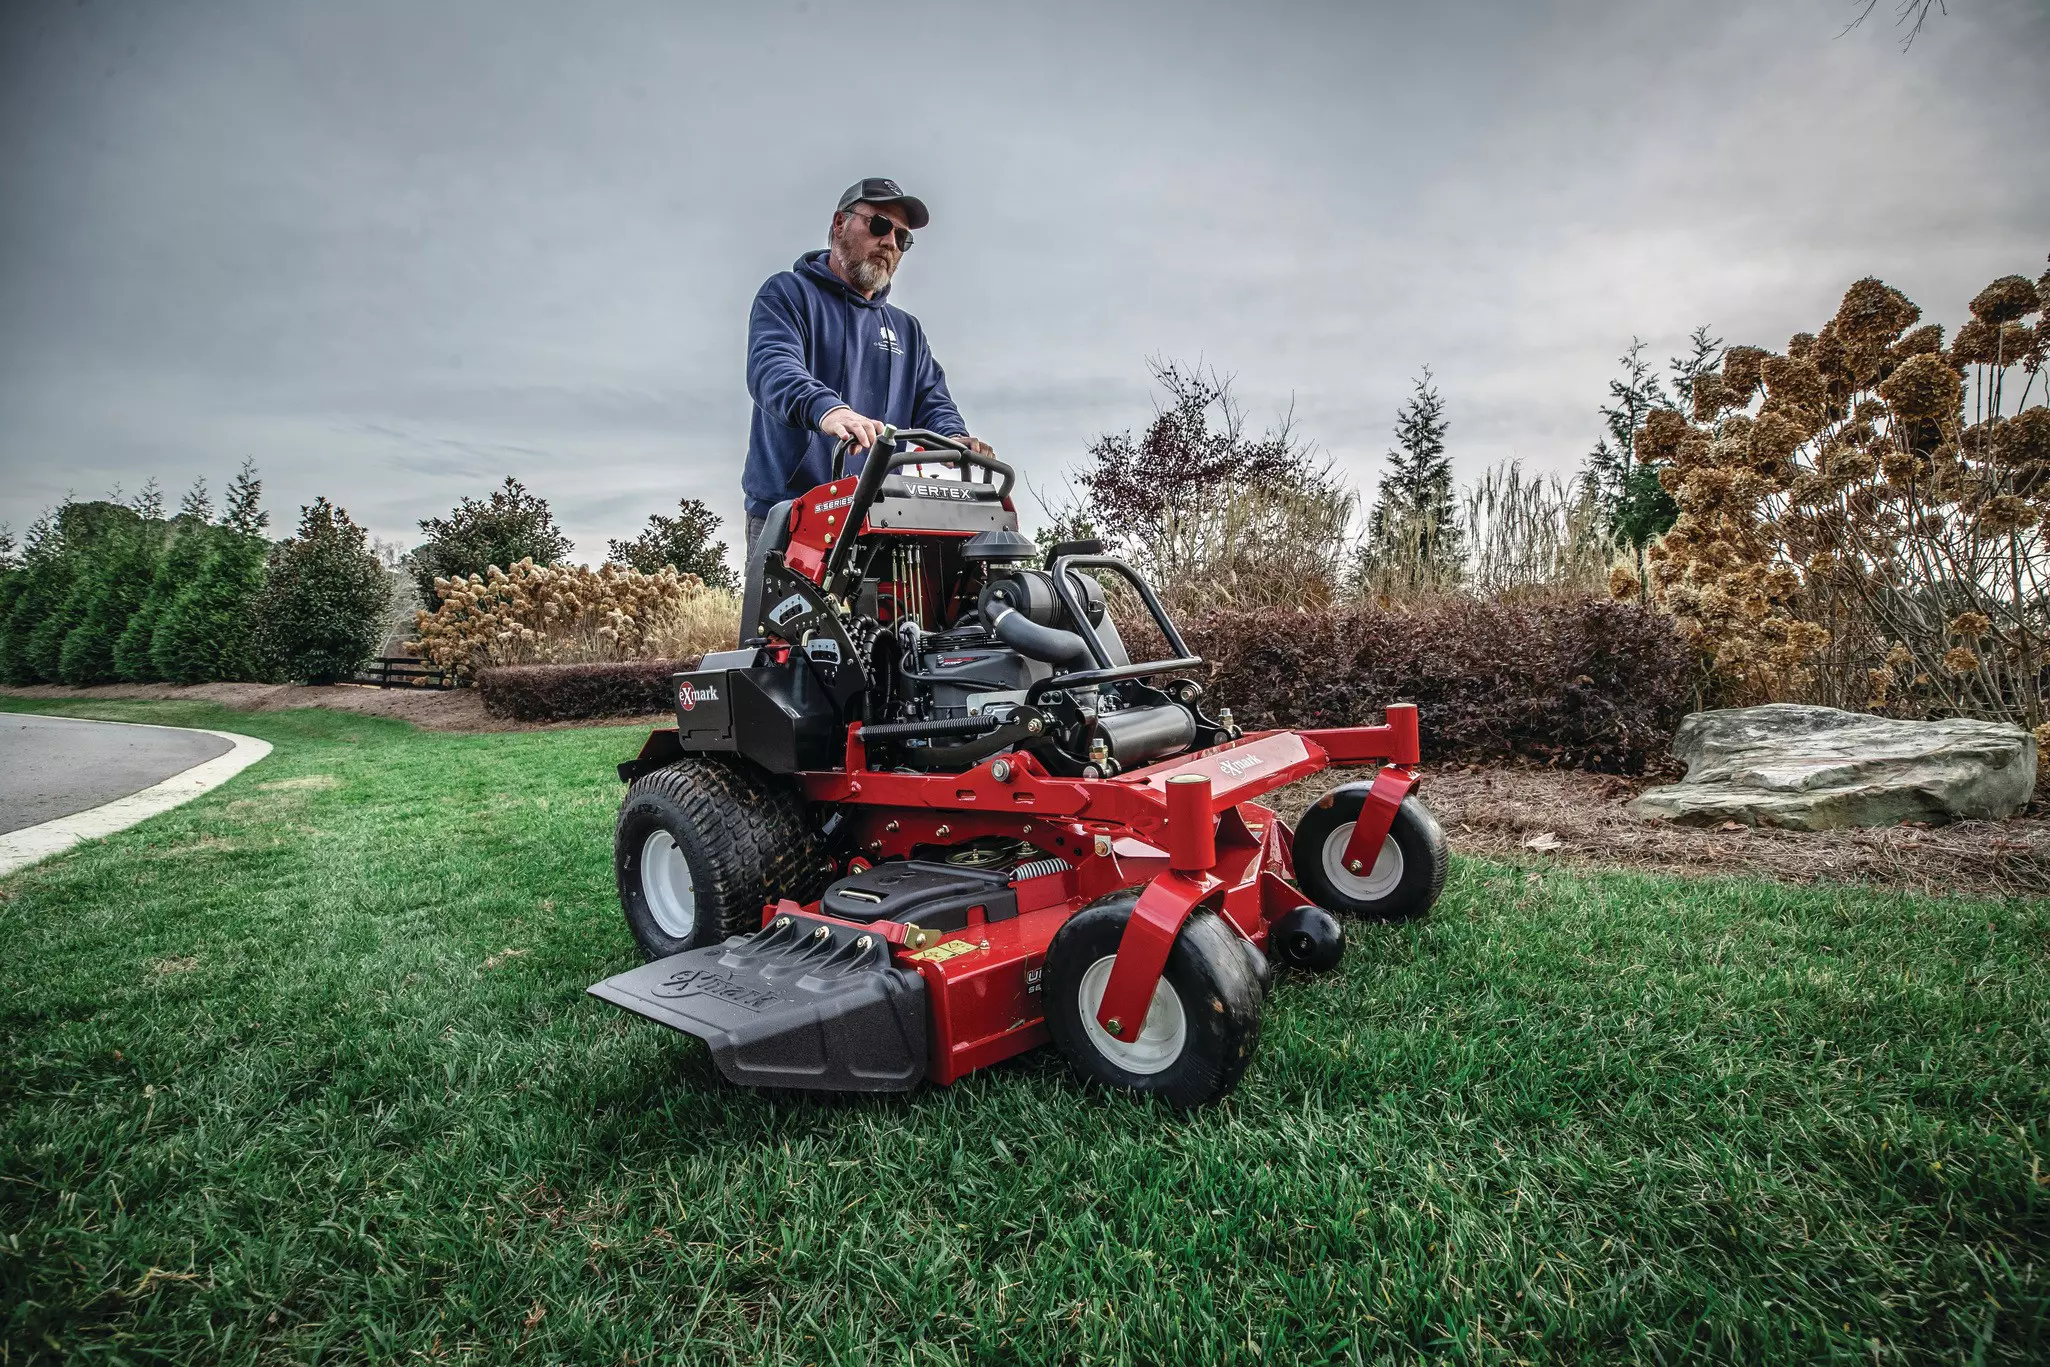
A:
(1404, 881)
(702, 844)
(1204, 1024)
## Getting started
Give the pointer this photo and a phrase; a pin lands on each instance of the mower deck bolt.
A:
(1001, 771)
(1353, 865)
(944, 831)
(1035, 726)
(891, 828)
(1115, 1026)
(1103, 847)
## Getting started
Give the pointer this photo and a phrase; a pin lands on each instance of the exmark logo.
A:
(698, 982)
(1232, 768)
(689, 695)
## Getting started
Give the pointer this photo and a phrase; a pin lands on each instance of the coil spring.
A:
(1039, 868)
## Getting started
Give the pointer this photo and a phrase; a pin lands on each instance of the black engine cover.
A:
(931, 896)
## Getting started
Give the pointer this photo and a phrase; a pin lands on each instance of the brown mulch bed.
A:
(431, 709)
(1531, 813)
(1513, 811)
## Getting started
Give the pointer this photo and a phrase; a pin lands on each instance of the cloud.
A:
(396, 253)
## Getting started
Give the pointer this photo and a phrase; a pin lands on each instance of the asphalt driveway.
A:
(54, 766)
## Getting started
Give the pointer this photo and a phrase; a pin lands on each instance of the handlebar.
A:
(881, 461)
(951, 452)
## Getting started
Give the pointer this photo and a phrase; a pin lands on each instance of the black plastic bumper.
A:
(800, 1003)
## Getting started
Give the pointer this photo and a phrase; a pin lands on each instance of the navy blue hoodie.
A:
(814, 344)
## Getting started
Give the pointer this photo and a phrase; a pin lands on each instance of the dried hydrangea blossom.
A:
(1840, 509)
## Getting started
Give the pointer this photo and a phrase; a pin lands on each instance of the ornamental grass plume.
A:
(1864, 519)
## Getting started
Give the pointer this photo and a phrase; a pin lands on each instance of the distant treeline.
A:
(109, 591)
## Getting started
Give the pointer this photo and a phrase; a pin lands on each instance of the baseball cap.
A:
(877, 190)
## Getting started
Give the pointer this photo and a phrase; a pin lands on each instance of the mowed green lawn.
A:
(304, 1071)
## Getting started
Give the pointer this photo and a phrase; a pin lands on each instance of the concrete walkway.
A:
(63, 780)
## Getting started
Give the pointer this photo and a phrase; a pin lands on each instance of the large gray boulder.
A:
(1816, 768)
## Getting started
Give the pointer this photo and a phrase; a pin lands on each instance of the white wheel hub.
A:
(1368, 885)
(1161, 1038)
(665, 882)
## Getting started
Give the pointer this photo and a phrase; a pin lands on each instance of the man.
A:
(828, 356)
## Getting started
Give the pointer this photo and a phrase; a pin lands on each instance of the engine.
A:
(1005, 633)
(914, 609)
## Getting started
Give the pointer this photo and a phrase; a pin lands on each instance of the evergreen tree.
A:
(504, 529)
(187, 541)
(1633, 507)
(197, 505)
(114, 586)
(31, 588)
(1413, 532)
(321, 613)
(1704, 354)
(85, 533)
(244, 514)
(204, 632)
(684, 541)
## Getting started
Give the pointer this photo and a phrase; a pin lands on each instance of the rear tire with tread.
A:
(702, 844)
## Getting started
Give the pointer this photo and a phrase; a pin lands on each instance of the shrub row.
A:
(1586, 683)
(575, 692)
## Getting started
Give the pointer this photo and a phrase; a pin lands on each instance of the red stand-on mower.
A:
(932, 814)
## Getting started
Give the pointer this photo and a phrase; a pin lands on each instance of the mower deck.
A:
(815, 1000)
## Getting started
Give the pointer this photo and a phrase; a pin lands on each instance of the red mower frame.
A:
(1142, 849)
(1189, 831)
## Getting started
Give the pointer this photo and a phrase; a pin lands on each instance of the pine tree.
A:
(244, 513)
(85, 532)
(684, 541)
(321, 613)
(188, 540)
(1633, 507)
(197, 504)
(31, 587)
(205, 632)
(114, 586)
(1413, 535)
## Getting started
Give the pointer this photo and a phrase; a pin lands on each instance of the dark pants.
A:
(754, 534)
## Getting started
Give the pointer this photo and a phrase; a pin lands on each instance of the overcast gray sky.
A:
(395, 251)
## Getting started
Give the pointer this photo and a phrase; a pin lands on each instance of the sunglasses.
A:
(879, 226)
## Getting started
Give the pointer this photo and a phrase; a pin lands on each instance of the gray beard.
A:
(869, 275)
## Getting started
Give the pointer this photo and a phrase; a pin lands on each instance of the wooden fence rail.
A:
(403, 671)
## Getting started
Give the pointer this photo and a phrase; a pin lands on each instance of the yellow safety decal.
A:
(939, 954)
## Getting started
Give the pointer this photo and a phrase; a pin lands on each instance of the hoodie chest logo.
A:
(887, 340)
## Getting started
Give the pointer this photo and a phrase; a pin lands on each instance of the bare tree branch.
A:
(1917, 10)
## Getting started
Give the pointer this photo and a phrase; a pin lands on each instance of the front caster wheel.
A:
(1405, 879)
(1201, 1029)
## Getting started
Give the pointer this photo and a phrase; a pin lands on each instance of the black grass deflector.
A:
(800, 1003)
